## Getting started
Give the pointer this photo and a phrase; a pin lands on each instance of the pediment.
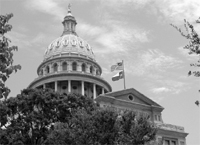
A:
(134, 96)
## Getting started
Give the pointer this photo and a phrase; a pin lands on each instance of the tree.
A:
(104, 127)
(136, 130)
(28, 118)
(193, 46)
(44, 117)
(6, 55)
(98, 128)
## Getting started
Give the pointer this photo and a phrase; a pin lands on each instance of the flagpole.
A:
(124, 74)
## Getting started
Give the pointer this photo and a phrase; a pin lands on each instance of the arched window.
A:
(64, 66)
(55, 67)
(41, 72)
(97, 72)
(47, 69)
(74, 66)
(83, 67)
(91, 69)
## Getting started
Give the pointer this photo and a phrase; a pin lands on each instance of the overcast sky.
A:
(137, 31)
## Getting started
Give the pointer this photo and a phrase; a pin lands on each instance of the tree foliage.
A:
(28, 117)
(193, 46)
(104, 127)
(194, 43)
(6, 55)
(44, 117)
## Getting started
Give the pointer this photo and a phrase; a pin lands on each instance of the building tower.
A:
(69, 65)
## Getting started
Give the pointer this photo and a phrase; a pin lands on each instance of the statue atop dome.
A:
(69, 10)
(69, 6)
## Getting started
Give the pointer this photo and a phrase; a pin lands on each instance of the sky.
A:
(136, 31)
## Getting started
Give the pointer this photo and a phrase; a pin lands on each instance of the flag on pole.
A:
(118, 76)
(118, 66)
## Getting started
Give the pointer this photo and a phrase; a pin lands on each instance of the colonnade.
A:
(59, 66)
(82, 88)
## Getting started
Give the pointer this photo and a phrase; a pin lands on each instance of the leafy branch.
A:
(6, 55)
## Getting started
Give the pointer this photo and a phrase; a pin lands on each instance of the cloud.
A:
(112, 36)
(160, 90)
(151, 62)
(47, 6)
(118, 38)
(28, 43)
(169, 86)
(177, 10)
(89, 29)
(170, 10)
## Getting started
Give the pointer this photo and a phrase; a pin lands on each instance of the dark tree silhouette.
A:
(27, 118)
(45, 117)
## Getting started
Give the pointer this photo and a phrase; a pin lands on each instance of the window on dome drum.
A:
(74, 66)
(64, 66)
(83, 67)
(55, 67)
(41, 72)
(91, 69)
(97, 72)
(47, 69)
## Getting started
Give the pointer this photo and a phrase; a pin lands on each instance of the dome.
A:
(69, 44)
(69, 65)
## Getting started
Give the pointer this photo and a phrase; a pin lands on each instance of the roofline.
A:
(134, 90)
(172, 132)
(121, 100)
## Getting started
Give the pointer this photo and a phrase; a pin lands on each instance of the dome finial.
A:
(69, 6)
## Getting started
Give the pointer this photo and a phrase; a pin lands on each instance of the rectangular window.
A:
(182, 143)
(155, 117)
(167, 142)
(159, 141)
(159, 119)
(173, 142)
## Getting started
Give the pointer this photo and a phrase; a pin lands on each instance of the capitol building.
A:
(69, 66)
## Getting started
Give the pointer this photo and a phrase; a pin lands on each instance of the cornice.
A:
(75, 74)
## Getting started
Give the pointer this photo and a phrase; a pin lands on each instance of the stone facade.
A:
(131, 99)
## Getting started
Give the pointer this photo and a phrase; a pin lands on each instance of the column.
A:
(44, 86)
(69, 66)
(94, 91)
(94, 71)
(82, 88)
(59, 66)
(56, 86)
(44, 71)
(69, 86)
(79, 67)
(50, 68)
(102, 91)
